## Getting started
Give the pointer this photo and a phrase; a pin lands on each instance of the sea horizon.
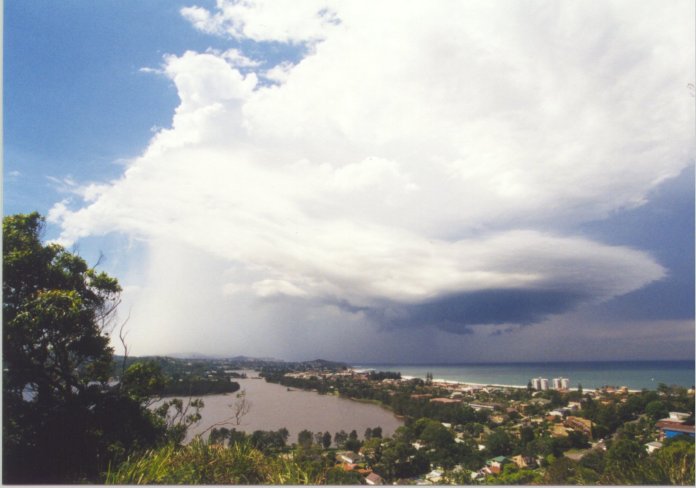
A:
(457, 363)
(635, 374)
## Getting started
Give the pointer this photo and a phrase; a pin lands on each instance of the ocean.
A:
(592, 374)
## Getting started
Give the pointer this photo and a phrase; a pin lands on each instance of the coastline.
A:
(491, 385)
(592, 375)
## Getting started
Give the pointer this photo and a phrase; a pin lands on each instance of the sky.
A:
(367, 181)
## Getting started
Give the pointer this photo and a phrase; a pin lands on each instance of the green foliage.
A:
(211, 463)
(143, 380)
(628, 463)
(326, 440)
(594, 461)
(198, 386)
(177, 416)
(432, 433)
(526, 435)
(401, 460)
(305, 439)
(339, 476)
(197, 463)
(353, 443)
(675, 462)
(656, 410)
(340, 439)
(512, 475)
(61, 421)
(499, 443)
(560, 471)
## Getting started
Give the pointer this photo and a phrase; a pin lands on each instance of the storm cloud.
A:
(420, 165)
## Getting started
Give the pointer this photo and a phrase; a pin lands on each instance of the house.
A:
(559, 430)
(653, 446)
(484, 406)
(669, 429)
(495, 465)
(374, 479)
(580, 424)
(678, 416)
(445, 400)
(435, 476)
(420, 396)
(349, 457)
(524, 462)
(478, 475)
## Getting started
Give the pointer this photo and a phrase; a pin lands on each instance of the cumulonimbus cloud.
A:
(417, 157)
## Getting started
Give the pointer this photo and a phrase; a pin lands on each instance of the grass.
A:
(203, 463)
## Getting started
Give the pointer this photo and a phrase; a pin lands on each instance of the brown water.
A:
(274, 407)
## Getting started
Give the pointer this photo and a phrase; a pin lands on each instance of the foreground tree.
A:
(61, 422)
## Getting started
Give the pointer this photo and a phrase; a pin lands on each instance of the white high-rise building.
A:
(544, 383)
(536, 383)
(557, 383)
(565, 383)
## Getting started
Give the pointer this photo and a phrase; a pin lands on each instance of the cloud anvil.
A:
(421, 166)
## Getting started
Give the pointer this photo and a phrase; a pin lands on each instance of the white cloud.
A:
(416, 151)
(279, 73)
(263, 20)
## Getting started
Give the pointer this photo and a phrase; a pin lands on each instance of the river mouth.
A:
(275, 407)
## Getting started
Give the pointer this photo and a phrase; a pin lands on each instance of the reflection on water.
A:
(274, 407)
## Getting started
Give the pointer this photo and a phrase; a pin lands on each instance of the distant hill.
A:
(227, 361)
(324, 363)
(197, 355)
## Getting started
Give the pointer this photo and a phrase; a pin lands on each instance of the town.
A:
(457, 433)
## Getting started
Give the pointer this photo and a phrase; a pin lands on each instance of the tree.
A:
(675, 462)
(560, 471)
(499, 443)
(526, 435)
(353, 443)
(62, 423)
(240, 407)
(340, 439)
(178, 416)
(625, 463)
(437, 436)
(143, 381)
(656, 410)
(326, 440)
(339, 476)
(305, 439)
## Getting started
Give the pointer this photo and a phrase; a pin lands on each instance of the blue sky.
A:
(446, 181)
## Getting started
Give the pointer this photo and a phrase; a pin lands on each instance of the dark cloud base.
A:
(457, 313)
